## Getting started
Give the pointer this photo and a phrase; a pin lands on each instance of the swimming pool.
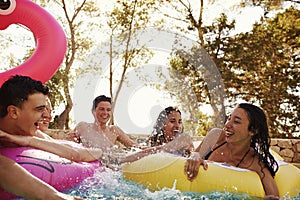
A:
(110, 185)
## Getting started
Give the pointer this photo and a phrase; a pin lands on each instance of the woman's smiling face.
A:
(237, 126)
(173, 125)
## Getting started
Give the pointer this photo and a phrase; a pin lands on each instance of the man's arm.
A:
(18, 181)
(62, 149)
(124, 139)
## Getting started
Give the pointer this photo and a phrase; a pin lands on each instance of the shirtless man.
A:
(99, 134)
(22, 105)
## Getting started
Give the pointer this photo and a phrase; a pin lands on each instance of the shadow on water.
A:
(110, 185)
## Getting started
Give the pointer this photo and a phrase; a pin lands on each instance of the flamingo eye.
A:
(7, 6)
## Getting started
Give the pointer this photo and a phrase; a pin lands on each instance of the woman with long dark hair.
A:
(167, 136)
(243, 142)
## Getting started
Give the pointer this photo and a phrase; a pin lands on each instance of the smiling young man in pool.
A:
(99, 134)
(22, 105)
(38, 102)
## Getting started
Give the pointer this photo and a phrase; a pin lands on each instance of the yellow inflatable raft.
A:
(162, 170)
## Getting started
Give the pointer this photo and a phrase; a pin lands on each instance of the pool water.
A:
(110, 185)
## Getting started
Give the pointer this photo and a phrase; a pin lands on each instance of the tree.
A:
(268, 5)
(265, 63)
(126, 18)
(212, 38)
(191, 93)
(73, 19)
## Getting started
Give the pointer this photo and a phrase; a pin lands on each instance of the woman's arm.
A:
(43, 135)
(181, 141)
(196, 159)
(270, 186)
(184, 140)
(267, 180)
(86, 154)
(208, 142)
(192, 165)
(141, 154)
(66, 151)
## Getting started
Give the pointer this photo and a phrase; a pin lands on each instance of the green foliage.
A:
(198, 124)
(188, 76)
(262, 66)
(128, 15)
(73, 16)
(126, 18)
(56, 85)
(188, 86)
(268, 5)
(190, 80)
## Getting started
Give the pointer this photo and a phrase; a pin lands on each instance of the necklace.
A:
(243, 158)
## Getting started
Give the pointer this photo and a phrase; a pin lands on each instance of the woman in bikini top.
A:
(212, 150)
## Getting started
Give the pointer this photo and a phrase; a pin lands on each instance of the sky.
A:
(142, 103)
(146, 103)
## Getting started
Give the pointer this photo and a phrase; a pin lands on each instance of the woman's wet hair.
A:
(98, 99)
(260, 140)
(157, 136)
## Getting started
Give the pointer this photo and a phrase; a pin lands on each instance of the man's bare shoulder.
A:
(83, 126)
(116, 130)
(80, 124)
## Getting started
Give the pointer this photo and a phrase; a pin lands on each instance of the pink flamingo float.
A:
(50, 50)
(50, 39)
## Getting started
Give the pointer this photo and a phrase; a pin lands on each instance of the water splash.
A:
(110, 185)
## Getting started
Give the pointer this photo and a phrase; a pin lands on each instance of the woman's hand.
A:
(17, 139)
(192, 165)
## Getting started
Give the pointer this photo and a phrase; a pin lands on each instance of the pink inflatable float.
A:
(50, 39)
(61, 173)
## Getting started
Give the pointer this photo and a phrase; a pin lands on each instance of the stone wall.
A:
(288, 149)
